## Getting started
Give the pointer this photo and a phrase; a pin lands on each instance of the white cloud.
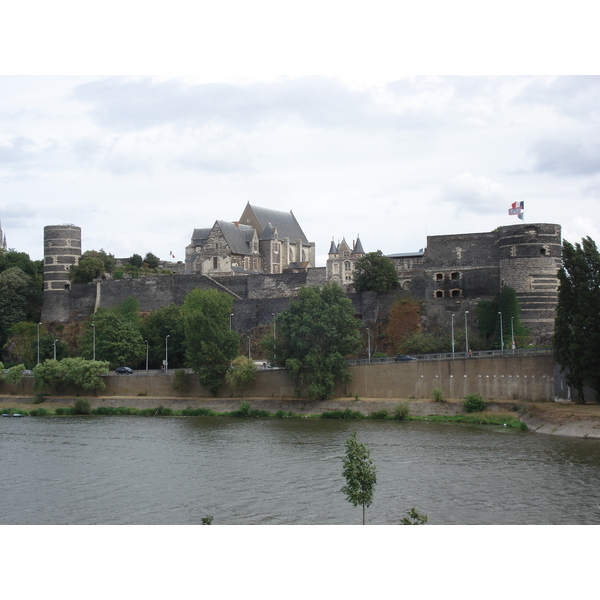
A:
(473, 193)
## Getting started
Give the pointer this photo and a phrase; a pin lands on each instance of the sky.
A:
(354, 146)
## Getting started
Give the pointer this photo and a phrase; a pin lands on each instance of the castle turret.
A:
(62, 248)
(529, 261)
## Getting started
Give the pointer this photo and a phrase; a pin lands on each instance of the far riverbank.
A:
(552, 418)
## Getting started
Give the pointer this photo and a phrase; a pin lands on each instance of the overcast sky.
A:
(139, 162)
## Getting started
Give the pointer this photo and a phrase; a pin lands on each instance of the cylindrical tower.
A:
(530, 257)
(62, 248)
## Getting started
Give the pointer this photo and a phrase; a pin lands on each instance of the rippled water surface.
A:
(136, 470)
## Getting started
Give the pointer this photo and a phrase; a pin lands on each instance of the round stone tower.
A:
(529, 261)
(62, 248)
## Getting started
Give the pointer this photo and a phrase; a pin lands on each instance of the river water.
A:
(153, 470)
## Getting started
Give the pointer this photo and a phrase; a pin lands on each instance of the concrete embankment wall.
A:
(495, 378)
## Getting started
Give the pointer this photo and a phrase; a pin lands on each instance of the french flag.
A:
(517, 208)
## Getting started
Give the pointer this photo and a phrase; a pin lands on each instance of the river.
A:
(153, 470)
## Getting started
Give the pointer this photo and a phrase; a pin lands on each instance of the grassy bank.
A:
(400, 412)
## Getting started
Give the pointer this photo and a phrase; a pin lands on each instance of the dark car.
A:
(403, 357)
(123, 370)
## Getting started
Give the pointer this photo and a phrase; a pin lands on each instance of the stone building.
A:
(454, 272)
(341, 261)
(262, 241)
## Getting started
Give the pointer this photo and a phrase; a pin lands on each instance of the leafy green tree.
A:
(375, 272)
(488, 319)
(88, 269)
(151, 260)
(16, 375)
(577, 324)
(155, 327)
(360, 474)
(242, 373)
(84, 375)
(314, 336)
(118, 340)
(48, 374)
(136, 260)
(210, 343)
(20, 300)
(92, 264)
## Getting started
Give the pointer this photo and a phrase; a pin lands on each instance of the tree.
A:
(88, 269)
(242, 373)
(20, 300)
(314, 336)
(488, 319)
(136, 260)
(210, 343)
(360, 474)
(404, 321)
(577, 324)
(155, 327)
(16, 375)
(375, 272)
(151, 260)
(48, 374)
(84, 375)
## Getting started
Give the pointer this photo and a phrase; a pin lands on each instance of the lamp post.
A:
(94, 342)
(230, 320)
(249, 358)
(501, 333)
(38, 353)
(54, 344)
(167, 354)
(369, 342)
(274, 338)
(146, 356)
(452, 320)
(466, 334)
(512, 331)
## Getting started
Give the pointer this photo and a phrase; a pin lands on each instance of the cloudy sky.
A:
(139, 162)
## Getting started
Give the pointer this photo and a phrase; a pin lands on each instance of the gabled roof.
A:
(238, 237)
(269, 233)
(287, 226)
(199, 236)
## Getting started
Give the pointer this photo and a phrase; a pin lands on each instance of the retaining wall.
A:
(495, 378)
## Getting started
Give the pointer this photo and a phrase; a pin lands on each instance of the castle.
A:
(262, 241)
(451, 274)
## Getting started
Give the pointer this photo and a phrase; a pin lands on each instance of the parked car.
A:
(404, 357)
(123, 370)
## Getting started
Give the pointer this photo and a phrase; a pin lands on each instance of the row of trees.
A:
(577, 326)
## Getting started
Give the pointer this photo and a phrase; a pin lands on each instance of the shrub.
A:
(474, 403)
(181, 381)
(197, 412)
(104, 410)
(39, 412)
(82, 407)
(438, 395)
(401, 411)
(378, 414)
(342, 414)
(39, 398)
(127, 410)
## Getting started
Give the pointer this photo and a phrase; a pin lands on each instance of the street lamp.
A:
(248, 347)
(167, 354)
(54, 344)
(369, 342)
(466, 334)
(501, 333)
(230, 318)
(512, 331)
(38, 362)
(452, 320)
(94, 342)
(274, 338)
(146, 356)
